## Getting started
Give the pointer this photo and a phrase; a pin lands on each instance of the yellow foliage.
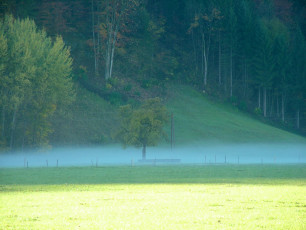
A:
(109, 86)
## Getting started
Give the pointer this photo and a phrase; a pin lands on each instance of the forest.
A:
(247, 53)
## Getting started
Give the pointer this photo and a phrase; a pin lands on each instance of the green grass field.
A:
(161, 197)
(198, 119)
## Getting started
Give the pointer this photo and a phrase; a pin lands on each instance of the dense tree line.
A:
(248, 52)
(34, 83)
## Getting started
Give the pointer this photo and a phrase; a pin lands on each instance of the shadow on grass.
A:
(187, 174)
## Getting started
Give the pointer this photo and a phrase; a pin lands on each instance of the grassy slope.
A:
(197, 119)
(90, 120)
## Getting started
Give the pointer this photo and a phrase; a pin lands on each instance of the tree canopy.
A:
(142, 127)
(35, 75)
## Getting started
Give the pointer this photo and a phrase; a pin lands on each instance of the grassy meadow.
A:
(199, 119)
(160, 197)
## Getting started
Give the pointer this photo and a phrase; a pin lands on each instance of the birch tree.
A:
(203, 28)
(108, 19)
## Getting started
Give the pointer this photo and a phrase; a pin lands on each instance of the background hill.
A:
(247, 55)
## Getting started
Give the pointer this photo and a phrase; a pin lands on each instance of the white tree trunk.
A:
(94, 36)
(113, 20)
(195, 53)
(205, 50)
(265, 102)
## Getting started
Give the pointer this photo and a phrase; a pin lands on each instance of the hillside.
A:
(197, 119)
(250, 52)
(92, 120)
(89, 120)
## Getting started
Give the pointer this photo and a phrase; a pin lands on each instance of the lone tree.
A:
(144, 126)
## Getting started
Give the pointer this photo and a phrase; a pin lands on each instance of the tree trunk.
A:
(107, 59)
(23, 135)
(3, 122)
(94, 36)
(144, 151)
(13, 128)
(259, 98)
(113, 22)
(298, 118)
(113, 51)
(195, 54)
(219, 66)
(277, 106)
(245, 88)
(231, 74)
(283, 107)
(271, 104)
(205, 55)
(265, 102)
(98, 34)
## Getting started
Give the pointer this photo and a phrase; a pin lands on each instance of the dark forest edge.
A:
(249, 53)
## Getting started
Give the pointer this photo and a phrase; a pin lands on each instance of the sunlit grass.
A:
(176, 197)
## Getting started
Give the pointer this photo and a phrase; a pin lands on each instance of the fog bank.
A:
(206, 154)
